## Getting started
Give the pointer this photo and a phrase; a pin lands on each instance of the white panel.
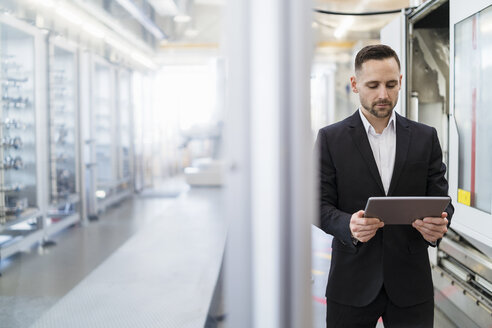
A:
(270, 151)
(266, 202)
(238, 262)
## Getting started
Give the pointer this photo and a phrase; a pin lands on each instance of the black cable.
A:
(360, 14)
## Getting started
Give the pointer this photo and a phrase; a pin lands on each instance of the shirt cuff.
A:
(433, 244)
(355, 241)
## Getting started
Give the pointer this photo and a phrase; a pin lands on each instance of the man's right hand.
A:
(363, 229)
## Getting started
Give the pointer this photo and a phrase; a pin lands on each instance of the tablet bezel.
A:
(405, 210)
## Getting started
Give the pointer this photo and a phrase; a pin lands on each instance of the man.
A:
(379, 270)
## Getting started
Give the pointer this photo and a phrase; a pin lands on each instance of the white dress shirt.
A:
(383, 147)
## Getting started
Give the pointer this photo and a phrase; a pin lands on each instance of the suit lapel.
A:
(402, 144)
(359, 136)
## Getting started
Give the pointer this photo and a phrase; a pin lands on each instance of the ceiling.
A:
(205, 27)
(336, 34)
(331, 27)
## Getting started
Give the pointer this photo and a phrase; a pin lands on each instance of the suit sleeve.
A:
(332, 220)
(437, 185)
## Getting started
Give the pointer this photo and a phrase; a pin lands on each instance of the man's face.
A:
(378, 83)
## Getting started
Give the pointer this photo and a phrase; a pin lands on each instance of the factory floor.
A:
(115, 272)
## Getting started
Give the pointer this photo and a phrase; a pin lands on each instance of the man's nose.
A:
(383, 93)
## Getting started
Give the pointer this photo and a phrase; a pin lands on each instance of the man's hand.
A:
(431, 228)
(363, 229)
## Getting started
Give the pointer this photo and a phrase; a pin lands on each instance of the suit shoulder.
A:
(417, 126)
(335, 127)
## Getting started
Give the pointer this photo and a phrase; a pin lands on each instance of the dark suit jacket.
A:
(397, 255)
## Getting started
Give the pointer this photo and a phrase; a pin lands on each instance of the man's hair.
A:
(377, 52)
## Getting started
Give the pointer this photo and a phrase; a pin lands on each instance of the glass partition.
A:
(125, 133)
(104, 125)
(62, 134)
(17, 126)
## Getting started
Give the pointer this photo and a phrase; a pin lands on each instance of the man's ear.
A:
(353, 84)
(401, 76)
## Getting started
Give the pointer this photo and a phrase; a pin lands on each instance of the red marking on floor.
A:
(320, 300)
(446, 292)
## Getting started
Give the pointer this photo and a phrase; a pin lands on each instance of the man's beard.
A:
(383, 112)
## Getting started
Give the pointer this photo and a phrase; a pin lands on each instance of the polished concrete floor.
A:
(33, 281)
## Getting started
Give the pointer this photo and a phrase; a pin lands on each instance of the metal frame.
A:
(411, 101)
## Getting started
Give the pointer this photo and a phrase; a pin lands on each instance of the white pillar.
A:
(270, 193)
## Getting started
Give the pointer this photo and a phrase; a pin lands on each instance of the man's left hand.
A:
(432, 228)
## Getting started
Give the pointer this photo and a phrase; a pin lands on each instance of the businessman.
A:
(377, 270)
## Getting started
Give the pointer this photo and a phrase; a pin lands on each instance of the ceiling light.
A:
(46, 3)
(341, 31)
(117, 44)
(94, 31)
(143, 60)
(68, 15)
(182, 18)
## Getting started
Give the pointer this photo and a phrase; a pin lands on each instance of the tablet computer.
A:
(405, 210)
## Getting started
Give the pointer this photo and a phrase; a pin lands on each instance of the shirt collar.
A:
(368, 127)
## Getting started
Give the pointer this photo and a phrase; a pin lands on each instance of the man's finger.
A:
(435, 220)
(364, 233)
(431, 233)
(372, 227)
(366, 238)
(435, 227)
(366, 221)
(360, 214)
(428, 237)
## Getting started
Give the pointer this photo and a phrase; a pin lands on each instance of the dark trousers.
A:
(417, 316)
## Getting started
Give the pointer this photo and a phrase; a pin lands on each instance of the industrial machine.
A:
(445, 47)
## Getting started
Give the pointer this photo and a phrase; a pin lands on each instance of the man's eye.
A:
(372, 86)
(391, 86)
